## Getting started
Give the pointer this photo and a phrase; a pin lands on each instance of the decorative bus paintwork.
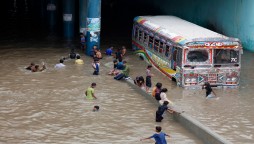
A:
(187, 53)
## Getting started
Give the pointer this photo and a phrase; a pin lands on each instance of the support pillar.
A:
(82, 16)
(93, 24)
(51, 16)
(68, 18)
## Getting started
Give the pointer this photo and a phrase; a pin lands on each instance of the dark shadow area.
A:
(24, 20)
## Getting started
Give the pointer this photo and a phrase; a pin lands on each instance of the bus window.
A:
(167, 51)
(136, 32)
(156, 45)
(140, 35)
(151, 42)
(173, 65)
(225, 56)
(197, 55)
(161, 50)
(145, 39)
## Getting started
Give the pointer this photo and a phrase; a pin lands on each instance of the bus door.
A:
(168, 54)
(174, 58)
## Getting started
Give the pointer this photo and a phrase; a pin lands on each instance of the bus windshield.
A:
(226, 56)
(197, 55)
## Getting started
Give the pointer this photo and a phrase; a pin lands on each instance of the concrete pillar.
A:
(93, 24)
(51, 16)
(82, 16)
(68, 18)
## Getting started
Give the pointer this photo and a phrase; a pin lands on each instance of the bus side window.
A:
(156, 45)
(161, 50)
(174, 58)
(167, 51)
(140, 35)
(136, 33)
(151, 42)
(145, 39)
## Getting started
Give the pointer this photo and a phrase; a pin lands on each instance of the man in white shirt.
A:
(60, 65)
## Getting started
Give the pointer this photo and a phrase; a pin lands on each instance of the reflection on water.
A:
(49, 107)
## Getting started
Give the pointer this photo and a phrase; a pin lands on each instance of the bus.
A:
(187, 53)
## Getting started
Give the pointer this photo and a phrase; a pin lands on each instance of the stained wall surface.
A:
(232, 18)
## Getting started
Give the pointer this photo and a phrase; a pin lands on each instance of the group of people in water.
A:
(121, 70)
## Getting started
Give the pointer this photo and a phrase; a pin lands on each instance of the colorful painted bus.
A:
(187, 53)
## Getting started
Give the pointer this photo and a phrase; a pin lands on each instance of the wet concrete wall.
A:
(232, 18)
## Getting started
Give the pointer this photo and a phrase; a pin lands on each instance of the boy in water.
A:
(159, 136)
(148, 78)
(90, 92)
(161, 110)
(96, 66)
(78, 60)
(209, 90)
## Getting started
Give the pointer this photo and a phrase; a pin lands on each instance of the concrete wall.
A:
(232, 18)
(194, 126)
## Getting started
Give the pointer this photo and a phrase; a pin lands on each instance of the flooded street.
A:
(231, 115)
(49, 106)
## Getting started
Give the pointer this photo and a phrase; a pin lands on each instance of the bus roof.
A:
(176, 28)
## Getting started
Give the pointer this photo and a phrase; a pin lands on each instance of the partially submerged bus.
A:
(187, 53)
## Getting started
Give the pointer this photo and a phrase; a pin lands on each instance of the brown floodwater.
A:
(50, 106)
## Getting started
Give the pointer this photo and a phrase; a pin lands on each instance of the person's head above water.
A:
(96, 108)
(93, 85)
(158, 85)
(61, 60)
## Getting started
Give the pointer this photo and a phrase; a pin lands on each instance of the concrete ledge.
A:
(201, 131)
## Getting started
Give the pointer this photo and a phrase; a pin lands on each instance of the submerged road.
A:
(49, 106)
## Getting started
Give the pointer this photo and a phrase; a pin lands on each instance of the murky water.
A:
(49, 107)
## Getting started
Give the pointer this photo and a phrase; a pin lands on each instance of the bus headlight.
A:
(193, 80)
(228, 79)
(234, 79)
(187, 80)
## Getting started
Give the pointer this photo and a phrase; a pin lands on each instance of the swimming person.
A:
(90, 92)
(30, 66)
(159, 137)
(78, 60)
(60, 64)
(36, 68)
(96, 108)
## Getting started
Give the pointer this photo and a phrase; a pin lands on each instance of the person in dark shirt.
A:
(72, 54)
(209, 90)
(161, 110)
(119, 55)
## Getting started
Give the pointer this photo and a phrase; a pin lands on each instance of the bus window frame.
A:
(149, 42)
(140, 35)
(146, 39)
(156, 45)
(136, 32)
(161, 47)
